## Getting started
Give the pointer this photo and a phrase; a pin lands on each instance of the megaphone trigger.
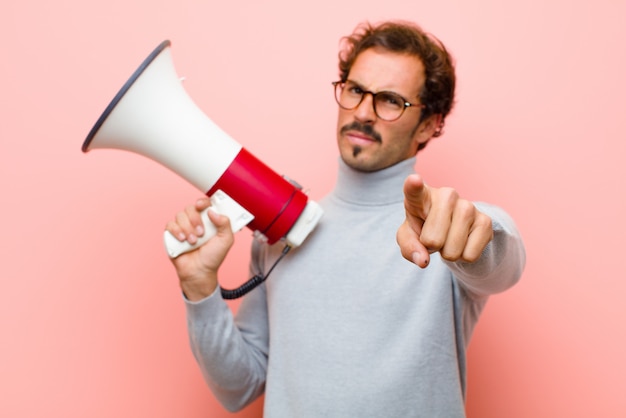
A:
(222, 204)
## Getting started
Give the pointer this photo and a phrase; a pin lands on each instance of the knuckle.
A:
(450, 255)
(466, 208)
(432, 243)
(190, 210)
(484, 222)
(448, 195)
(471, 256)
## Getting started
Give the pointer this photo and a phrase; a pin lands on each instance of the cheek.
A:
(410, 133)
(401, 139)
(343, 119)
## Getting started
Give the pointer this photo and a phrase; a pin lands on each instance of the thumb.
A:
(221, 222)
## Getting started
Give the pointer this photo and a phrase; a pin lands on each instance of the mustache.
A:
(366, 129)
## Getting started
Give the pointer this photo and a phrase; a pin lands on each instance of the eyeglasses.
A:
(388, 106)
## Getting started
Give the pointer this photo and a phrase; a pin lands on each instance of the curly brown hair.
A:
(437, 94)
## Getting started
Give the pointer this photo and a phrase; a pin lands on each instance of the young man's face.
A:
(366, 142)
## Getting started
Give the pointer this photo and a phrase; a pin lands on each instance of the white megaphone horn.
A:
(152, 115)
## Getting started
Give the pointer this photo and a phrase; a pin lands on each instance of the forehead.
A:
(377, 69)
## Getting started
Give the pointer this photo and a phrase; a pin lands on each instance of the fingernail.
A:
(199, 230)
(181, 236)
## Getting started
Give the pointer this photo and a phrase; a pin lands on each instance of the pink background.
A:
(91, 319)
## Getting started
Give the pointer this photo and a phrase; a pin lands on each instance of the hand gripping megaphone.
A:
(152, 115)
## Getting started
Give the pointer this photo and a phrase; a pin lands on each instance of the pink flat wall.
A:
(91, 320)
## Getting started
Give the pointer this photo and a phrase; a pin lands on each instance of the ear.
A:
(427, 128)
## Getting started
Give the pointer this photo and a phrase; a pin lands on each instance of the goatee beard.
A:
(356, 151)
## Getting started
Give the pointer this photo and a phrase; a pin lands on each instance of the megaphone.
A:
(152, 115)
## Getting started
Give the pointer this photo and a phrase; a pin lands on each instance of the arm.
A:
(478, 242)
(232, 354)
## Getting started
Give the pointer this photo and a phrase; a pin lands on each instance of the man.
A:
(345, 326)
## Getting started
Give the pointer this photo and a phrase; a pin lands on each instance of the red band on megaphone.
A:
(275, 202)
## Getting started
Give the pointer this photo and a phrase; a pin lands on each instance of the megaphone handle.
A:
(220, 203)
(175, 247)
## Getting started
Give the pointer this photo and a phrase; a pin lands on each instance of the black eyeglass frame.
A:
(405, 102)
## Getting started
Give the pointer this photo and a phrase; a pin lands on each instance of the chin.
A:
(359, 164)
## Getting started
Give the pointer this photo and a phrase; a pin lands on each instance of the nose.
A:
(364, 112)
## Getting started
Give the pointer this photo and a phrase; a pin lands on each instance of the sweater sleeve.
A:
(502, 261)
(231, 352)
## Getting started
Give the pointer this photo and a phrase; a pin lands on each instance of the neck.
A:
(373, 188)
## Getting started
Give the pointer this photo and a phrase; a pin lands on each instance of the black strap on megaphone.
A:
(253, 282)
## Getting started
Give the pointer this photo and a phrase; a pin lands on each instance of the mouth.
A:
(358, 140)
(359, 134)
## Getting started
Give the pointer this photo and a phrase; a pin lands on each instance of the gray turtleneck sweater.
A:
(346, 327)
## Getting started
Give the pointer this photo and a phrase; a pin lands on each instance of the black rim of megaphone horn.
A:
(122, 92)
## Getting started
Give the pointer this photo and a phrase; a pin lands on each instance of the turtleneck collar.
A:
(374, 188)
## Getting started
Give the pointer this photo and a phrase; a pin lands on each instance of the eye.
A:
(354, 89)
(390, 100)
